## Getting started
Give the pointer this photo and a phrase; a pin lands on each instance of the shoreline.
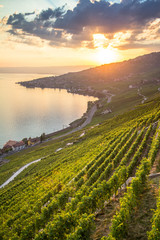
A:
(75, 125)
(55, 82)
(91, 113)
(51, 83)
(52, 136)
(51, 131)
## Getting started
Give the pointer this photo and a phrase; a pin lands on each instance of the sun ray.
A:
(104, 52)
(106, 55)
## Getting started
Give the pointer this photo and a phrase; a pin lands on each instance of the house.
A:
(132, 86)
(8, 146)
(33, 141)
(6, 149)
(18, 146)
(13, 145)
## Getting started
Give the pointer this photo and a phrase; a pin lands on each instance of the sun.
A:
(106, 55)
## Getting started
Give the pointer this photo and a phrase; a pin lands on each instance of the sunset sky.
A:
(69, 32)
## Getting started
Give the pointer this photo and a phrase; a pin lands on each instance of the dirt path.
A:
(87, 121)
(144, 97)
(90, 115)
(109, 96)
(18, 172)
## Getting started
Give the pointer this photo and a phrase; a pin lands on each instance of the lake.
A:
(31, 112)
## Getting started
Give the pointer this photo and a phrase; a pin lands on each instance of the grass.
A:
(120, 103)
(40, 180)
(21, 158)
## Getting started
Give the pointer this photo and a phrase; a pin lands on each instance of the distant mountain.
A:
(107, 72)
(119, 75)
(78, 189)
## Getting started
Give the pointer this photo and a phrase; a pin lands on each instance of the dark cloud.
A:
(28, 14)
(129, 46)
(128, 14)
(73, 27)
(35, 27)
(50, 13)
(16, 20)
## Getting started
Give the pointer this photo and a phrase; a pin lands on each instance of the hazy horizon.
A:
(45, 69)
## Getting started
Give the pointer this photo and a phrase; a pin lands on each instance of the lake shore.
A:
(59, 134)
(31, 112)
(74, 126)
(59, 82)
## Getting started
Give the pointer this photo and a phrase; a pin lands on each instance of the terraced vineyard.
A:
(59, 197)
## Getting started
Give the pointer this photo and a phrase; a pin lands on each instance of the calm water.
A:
(31, 112)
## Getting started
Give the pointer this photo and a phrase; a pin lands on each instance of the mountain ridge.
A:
(106, 73)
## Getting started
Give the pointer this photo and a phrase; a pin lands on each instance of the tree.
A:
(25, 140)
(42, 137)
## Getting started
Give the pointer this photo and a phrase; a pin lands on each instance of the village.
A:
(14, 146)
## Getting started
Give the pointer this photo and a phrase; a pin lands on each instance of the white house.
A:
(14, 145)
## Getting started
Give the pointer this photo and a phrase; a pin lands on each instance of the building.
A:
(33, 141)
(18, 146)
(13, 145)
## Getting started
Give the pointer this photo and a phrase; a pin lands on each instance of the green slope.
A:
(57, 197)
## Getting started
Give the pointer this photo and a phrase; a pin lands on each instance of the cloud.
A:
(28, 14)
(50, 14)
(129, 46)
(75, 28)
(108, 18)
(35, 28)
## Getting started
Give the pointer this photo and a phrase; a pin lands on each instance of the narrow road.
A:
(144, 97)
(18, 172)
(87, 121)
(110, 97)
(90, 115)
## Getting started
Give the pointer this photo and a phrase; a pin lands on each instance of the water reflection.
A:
(30, 112)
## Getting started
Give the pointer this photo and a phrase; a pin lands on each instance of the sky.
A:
(69, 33)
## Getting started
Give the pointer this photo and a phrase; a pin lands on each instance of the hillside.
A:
(96, 183)
(119, 86)
(60, 196)
(139, 71)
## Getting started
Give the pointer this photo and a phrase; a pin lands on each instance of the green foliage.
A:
(57, 197)
(84, 228)
(118, 229)
(42, 137)
(154, 234)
